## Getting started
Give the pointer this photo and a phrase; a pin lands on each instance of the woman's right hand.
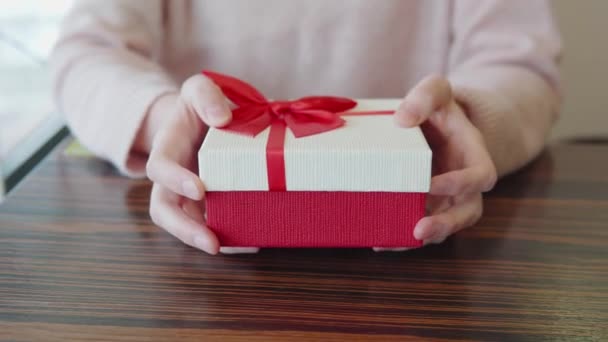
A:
(174, 130)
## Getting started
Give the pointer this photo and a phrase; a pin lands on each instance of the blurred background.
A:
(584, 68)
(28, 30)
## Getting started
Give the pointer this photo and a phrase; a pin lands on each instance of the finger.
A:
(471, 142)
(437, 204)
(461, 215)
(239, 250)
(480, 178)
(206, 99)
(194, 209)
(478, 173)
(393, 249)
(160, 169)
(171, 152)
(431, 95)
(168, 214)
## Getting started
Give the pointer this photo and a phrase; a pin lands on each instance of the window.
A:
(28, 30)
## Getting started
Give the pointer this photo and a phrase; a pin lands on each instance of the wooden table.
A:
(80, 260)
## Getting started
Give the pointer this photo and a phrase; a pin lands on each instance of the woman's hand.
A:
(462, 166)
(175, 203)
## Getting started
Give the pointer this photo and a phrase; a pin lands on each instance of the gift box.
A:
(313, 172)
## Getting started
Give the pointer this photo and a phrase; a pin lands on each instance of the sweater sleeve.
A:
(105, 76)
(503, 68)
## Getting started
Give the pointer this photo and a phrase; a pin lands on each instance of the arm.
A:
(124, 107)
(492, 113)
(503, 70)
(105, 78)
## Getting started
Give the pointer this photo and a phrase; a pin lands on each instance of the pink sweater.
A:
(114, 58)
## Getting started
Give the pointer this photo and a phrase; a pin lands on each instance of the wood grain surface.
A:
(80, 260)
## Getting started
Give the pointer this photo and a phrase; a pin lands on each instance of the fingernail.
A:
(412, 119)
(408, 115)
(190, 190)
(201, 242)
(216, 115)
(425, 233)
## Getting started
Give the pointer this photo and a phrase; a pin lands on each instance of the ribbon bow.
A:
(306, 116)
(254, 113)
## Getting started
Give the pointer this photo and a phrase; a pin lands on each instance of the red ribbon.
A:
(305, 116)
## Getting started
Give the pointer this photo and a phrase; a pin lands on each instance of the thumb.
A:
(205, 98)
(428, 97)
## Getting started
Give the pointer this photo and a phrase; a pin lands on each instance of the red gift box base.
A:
(315, 219)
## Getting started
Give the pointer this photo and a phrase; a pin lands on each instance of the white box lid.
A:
(369, 153)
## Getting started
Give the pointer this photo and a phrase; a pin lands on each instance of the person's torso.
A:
(356, 48)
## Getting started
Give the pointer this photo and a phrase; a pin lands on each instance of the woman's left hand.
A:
(462, 167)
